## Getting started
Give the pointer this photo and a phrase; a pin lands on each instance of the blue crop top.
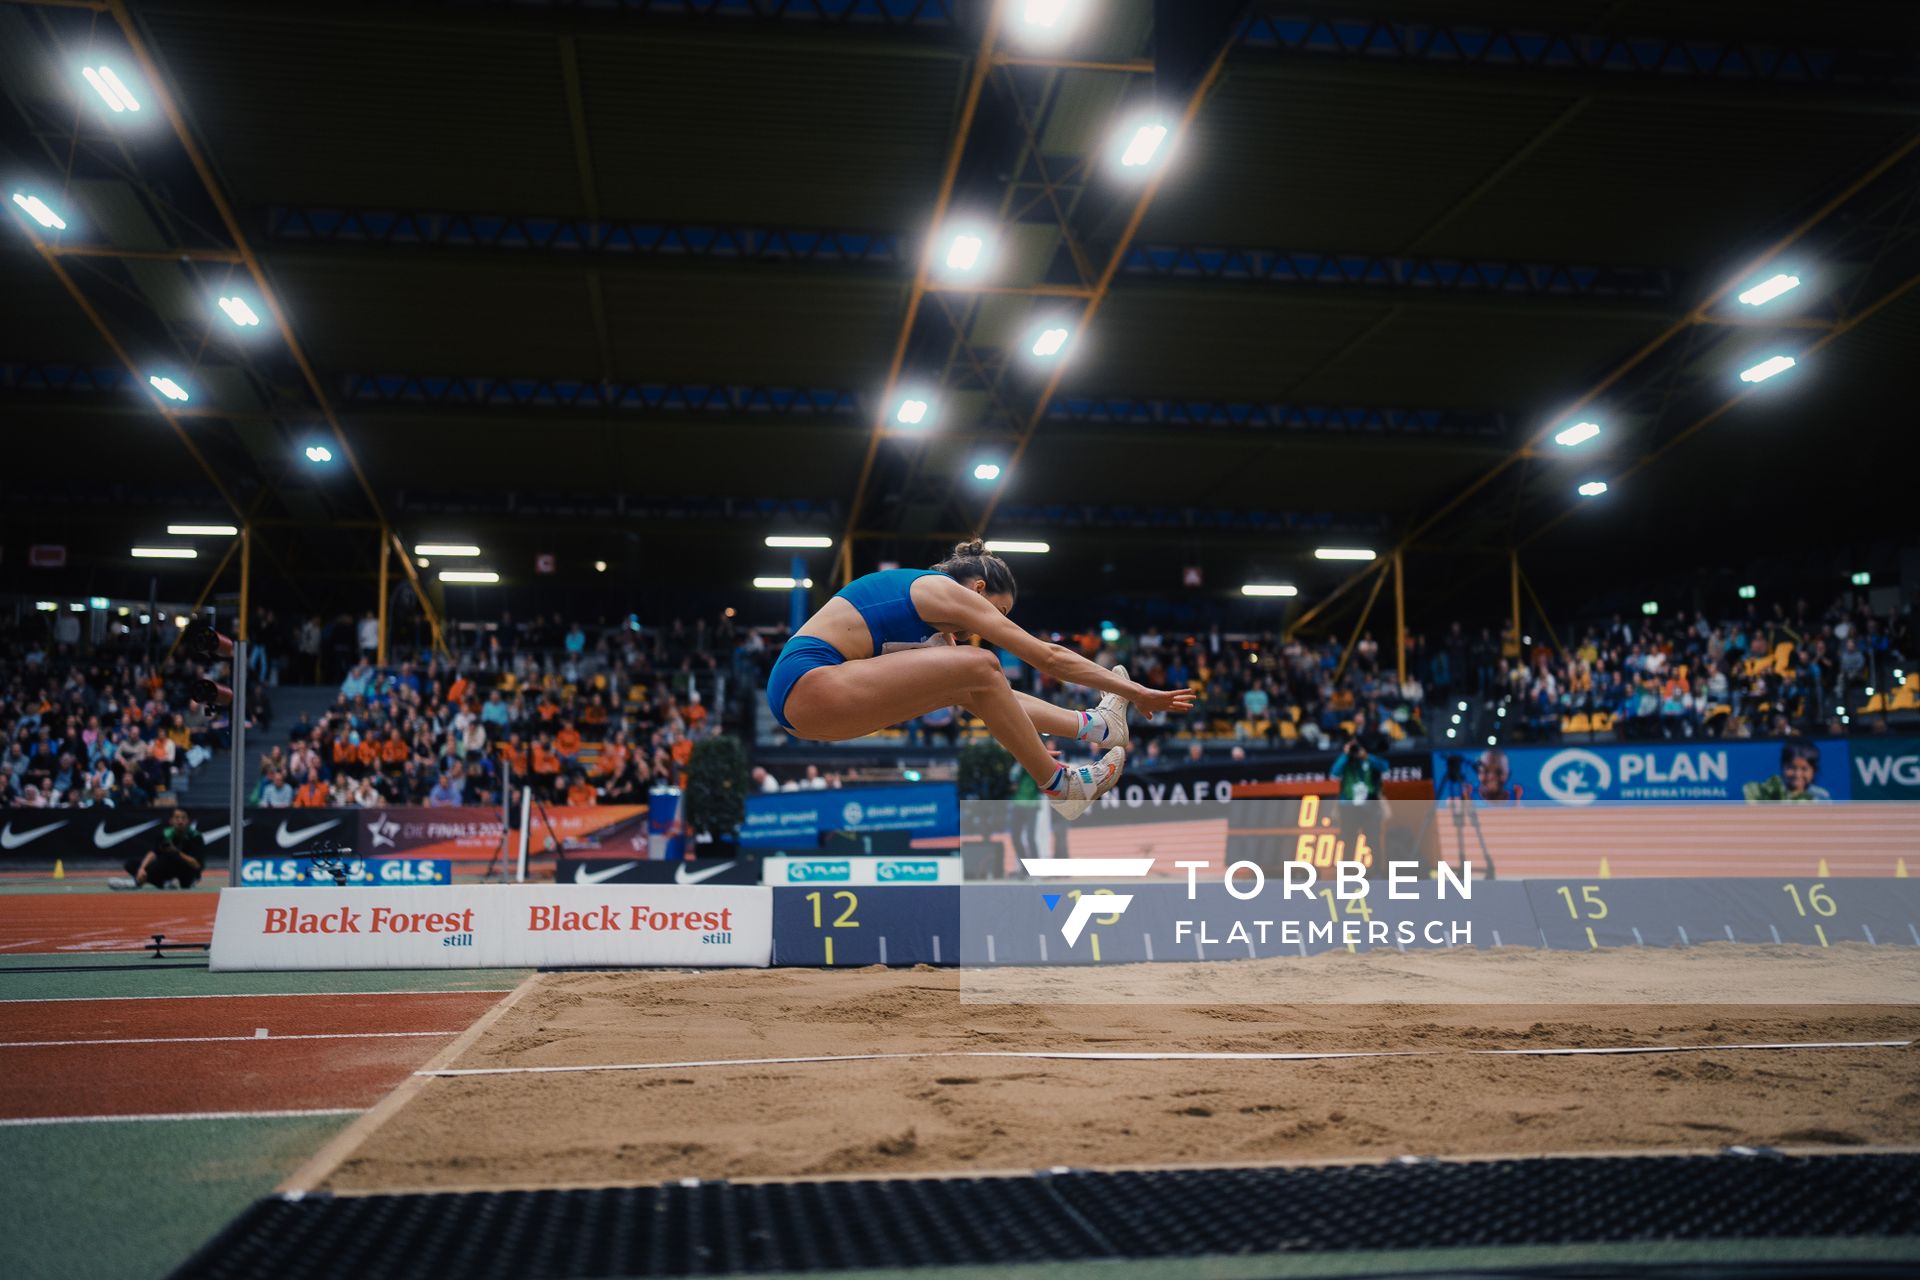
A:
(885, 600)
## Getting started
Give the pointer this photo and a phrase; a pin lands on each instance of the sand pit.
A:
(941, 1111)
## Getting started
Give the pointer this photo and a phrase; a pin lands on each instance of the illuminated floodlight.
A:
(1863, 579)
(97, 602)
(1048, 21)
(45, 606)
(112, 90)
(1748, 592)
(781, 584)
(479, 577)
(1593, 488)
(163, 553)
(319, 453)
(911, 412)
(168, 387)
(451, 549)
(1767, 368)
(965, 251)
(202, 530)
(1143, 141)
(239, 312)
(77, 607)
(1650, 607)
(1269, 589)
(1005, 546)
(1767, 290)
(38, 210)
(1342, 553)
(1049, 342)
(1578, 433)
(799, 540)
(986, 471)
(599, 566)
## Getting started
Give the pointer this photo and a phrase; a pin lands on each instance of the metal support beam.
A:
(1696, 316)
(157, 84)
(143, 255)
(1839, 330)
(976, 81)
(1552, 635)
(1379, 572)
(386, 555)
(1513, 649)
(1400, 615)
(1188, 113)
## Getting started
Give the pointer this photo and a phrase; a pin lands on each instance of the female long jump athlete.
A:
(890, 647)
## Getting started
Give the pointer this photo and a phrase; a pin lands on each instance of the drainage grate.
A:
(719, 1228)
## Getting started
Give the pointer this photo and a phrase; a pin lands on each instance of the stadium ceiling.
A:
(647, 281)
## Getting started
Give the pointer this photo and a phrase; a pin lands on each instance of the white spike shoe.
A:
(1085, 783)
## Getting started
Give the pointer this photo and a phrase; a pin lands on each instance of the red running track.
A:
(91, 922)
(181, 1067)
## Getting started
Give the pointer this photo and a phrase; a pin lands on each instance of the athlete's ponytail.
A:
(971, 562)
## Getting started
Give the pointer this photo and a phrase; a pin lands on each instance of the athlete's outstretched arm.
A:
(953, 607)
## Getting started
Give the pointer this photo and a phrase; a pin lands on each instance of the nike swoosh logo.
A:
(105, 839)
(287, 837)
(11, 839)
(583, 876)
(682, 876)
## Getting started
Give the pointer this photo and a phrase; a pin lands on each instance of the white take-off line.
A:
(343, 1144)
(146, 1117)
(1074, 1055)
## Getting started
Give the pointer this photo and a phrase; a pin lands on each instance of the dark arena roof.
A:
(644, 282)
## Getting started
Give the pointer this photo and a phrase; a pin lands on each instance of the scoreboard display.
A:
(1277, 822)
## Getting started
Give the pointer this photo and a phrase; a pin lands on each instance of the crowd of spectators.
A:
(1753, 672)
(104, 727)
(593, 715)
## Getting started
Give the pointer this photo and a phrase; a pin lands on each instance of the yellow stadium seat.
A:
(1876, 704)
(1576, 723)
(1602, 722)
(1394, 731)
(1289, 731)
(1905, 698)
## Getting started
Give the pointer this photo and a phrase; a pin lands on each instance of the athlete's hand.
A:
(1147, 701)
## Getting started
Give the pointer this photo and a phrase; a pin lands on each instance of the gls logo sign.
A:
(1575, 776)
(1087, 905)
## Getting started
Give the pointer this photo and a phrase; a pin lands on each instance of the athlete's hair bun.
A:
(972, 562)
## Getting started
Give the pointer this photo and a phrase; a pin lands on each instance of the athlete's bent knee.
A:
(980, 667)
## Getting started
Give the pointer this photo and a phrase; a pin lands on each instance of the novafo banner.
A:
(795, 819)
(862, 869)
(1885, 768)
(1693, 772)
(384, 871)
(492, 926)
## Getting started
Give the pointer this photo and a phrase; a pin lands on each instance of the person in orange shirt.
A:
(567, 744)
(367, 755)
(581, 794)
(695, 712)
(311, 795)
(683, 752)
(393, 752)
(514, 752)
(343, 757)
(613, 756)
(545, 763)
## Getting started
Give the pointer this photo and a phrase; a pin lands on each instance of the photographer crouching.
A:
(1360, 776)
(178, 859)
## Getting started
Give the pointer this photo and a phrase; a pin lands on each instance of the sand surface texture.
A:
(932, 1106)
